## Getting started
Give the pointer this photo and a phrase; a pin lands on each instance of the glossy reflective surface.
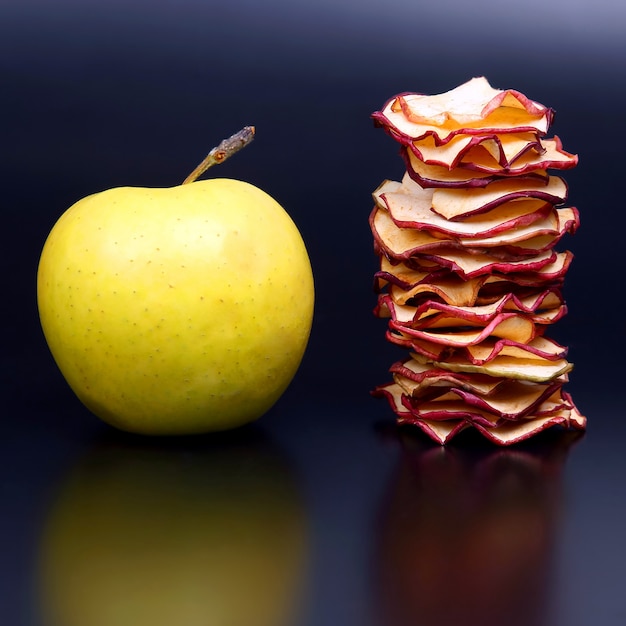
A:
(324, 512)
(318, 514)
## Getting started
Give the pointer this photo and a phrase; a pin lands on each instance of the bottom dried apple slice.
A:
(500, 431)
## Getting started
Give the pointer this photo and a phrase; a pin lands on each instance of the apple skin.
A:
(177, 310)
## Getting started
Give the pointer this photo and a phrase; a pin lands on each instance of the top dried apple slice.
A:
(504, 433)
(472, 108)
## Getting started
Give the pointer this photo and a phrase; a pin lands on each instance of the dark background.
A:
(101, 94)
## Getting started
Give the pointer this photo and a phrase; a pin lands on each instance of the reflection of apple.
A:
(177, 310)
(143, 536)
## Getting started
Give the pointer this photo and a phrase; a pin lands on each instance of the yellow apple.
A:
(142, 535)
(177, 310)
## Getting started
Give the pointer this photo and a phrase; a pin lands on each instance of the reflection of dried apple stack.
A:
(467, 536)
(469, 275)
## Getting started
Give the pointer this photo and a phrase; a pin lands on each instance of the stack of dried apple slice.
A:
(470, 277)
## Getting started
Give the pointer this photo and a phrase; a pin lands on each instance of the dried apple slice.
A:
(511, 433)
(452, 290)
(401, 242)
(528, 292)
(404, 283)
(530, 369)
(470, 102)
(450, 410)
(409, 206)
(454, 204)
(552, 273)
(552, 156)
(558, 401)
(545, 231)
(544, 300)
(506, 432)
(540, 348)
(441, 432)
(480, 169)
(503, 150)
(542, 307)
(439, 397)
(400, 274)
(509, 399)
(396, 241)
(503, 432)
(446, 283)
(514, 400)
(405, 243)
(421, 346)
(427, 175)
(472, 108)
(466, 175)
(428, 312)
(492, 411)
(468, 264)
(425, 373)
(393, 393)
(511, 326)
(536, 236)
(526, 247)
(442, 385)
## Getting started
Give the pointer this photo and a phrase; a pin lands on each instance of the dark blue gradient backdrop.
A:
(100, 94)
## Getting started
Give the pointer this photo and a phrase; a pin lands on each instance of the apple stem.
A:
(220, 153)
